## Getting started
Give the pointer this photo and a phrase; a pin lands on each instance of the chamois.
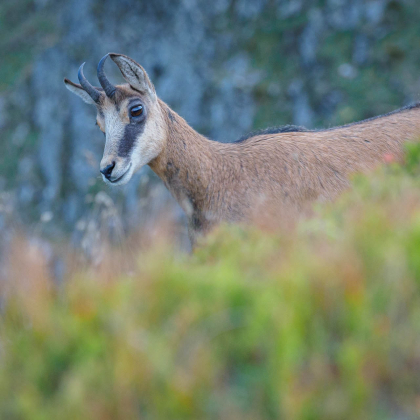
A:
(270, 175)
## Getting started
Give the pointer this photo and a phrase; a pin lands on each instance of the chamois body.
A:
(268, 178)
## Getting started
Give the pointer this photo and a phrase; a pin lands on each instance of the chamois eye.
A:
(136, 111)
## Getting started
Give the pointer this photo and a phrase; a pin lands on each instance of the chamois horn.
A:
(90, 90)
(108, 87)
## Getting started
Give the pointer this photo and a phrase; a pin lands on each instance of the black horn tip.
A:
(80, 72)
(93, 93)
(102, 62)
(108, 87)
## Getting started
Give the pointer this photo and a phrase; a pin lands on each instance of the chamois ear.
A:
(134, 74)
(79, 91)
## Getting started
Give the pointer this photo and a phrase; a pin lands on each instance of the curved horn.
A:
(90, 90)
(105, 83)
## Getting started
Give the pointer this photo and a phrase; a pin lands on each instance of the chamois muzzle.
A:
(108, 87)
(90, 90)
(107, 171)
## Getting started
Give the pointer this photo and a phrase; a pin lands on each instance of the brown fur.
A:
(268, 177)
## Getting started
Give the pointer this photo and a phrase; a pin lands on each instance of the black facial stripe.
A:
(131, 133)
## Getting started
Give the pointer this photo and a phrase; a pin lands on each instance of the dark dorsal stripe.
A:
(272, 130)
(397, 111)
(295, 128)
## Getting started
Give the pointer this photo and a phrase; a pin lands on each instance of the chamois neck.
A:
(185, 164)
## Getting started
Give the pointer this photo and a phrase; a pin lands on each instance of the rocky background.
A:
(227, 66)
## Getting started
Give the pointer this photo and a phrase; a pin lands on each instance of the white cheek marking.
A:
(114, 130)
(148, 145)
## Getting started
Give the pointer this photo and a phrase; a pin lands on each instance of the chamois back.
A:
(275, 174)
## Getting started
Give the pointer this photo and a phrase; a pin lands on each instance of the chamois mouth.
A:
(121, 179)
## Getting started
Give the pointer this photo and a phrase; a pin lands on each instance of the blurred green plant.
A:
(320, 324)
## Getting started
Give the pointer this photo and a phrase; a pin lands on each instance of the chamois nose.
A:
(107, 171)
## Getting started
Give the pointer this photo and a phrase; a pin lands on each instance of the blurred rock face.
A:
(172, 42)
(226, 66)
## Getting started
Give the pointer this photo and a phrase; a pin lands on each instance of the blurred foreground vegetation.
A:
(320, 324)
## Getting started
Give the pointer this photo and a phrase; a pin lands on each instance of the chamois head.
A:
(129, 115)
